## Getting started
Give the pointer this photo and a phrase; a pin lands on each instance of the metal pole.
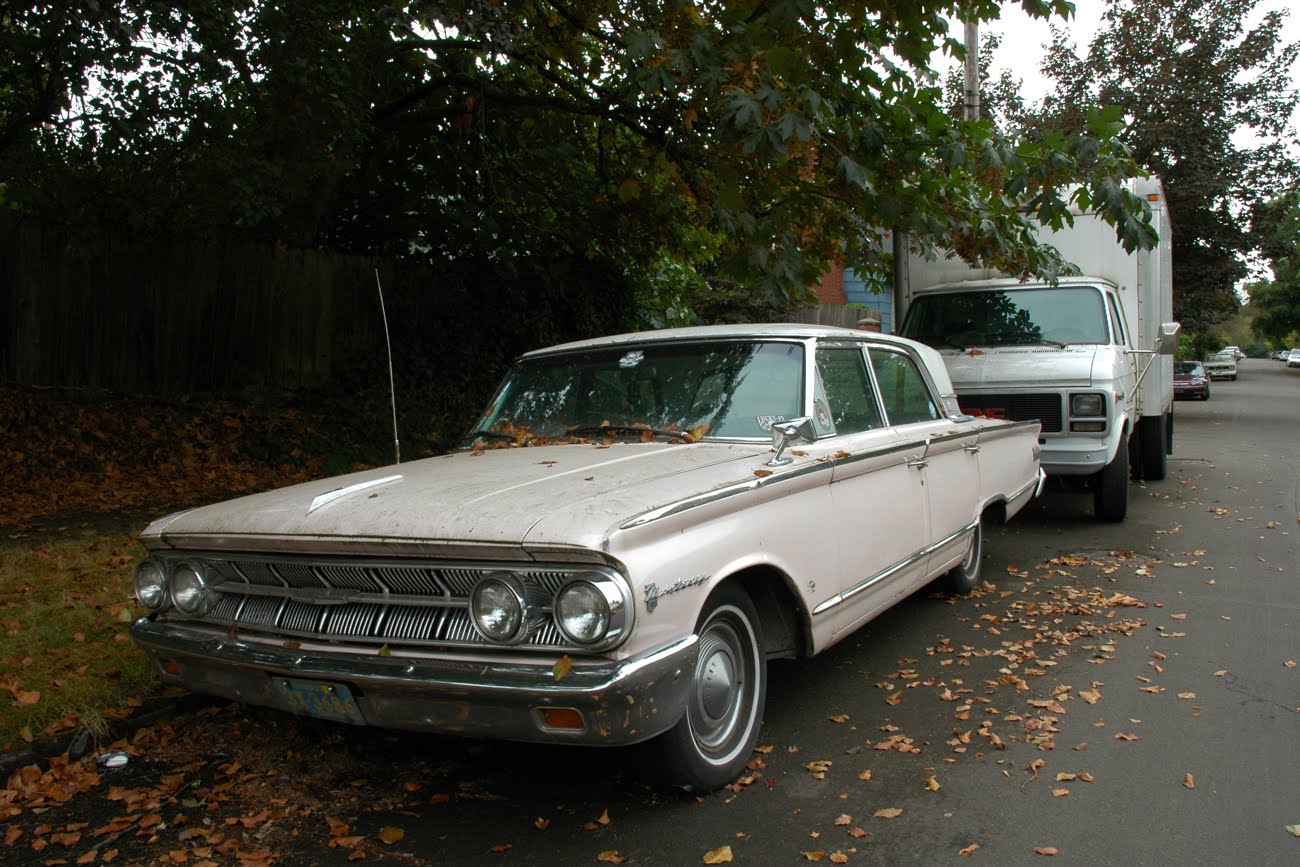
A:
(971, 109)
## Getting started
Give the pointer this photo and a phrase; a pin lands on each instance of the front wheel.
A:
(711, 743)
(1110, 494)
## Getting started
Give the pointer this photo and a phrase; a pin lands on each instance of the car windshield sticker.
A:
(765, 422)
(631, 359)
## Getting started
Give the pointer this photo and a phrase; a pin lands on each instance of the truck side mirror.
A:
(1168, 343)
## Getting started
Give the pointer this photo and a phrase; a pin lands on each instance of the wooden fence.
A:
(171, 316)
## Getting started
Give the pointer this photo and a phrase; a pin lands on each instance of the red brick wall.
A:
(831, 288)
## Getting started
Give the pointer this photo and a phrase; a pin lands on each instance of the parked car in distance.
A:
(1191, 380)
(633, 528)
(1293, 358)
(1235, 351)
(1221, 365)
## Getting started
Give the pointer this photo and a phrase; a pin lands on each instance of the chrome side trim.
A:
(900, 565)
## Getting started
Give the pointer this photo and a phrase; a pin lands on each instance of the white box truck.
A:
(1090, 356)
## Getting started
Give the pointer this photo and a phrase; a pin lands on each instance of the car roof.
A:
(757, 331)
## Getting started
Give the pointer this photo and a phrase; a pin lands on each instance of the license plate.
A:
(331, 701)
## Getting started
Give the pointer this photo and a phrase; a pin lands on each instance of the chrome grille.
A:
(400, 602)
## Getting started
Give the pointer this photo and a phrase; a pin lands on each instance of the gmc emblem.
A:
(988, 412)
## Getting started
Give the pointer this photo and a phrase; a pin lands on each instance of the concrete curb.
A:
(81, 742)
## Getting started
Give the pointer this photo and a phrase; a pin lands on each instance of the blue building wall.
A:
(858, 294)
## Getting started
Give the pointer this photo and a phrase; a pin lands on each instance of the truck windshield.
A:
(1008, 317)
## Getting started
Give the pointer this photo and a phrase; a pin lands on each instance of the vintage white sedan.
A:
(634, 527)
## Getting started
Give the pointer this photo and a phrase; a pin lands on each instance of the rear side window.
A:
(906, 397)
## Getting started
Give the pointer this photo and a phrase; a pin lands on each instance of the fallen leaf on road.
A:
(1189, 781)
(1125, 736)
(969, 849)
(887, 813)
(844, 819)
(611, 856)
(1045, 850)
(390, 834)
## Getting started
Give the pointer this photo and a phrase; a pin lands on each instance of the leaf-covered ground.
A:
(68, 456)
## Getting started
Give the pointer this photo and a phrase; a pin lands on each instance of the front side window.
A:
(719, 389)
(846, 386)
(906, 397)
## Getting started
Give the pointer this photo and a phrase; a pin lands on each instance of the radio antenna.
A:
(392, 391)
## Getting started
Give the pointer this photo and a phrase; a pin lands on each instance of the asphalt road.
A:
(1120, 694)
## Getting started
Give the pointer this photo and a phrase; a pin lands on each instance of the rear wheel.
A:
(712, 742)
(1155, 440)
(965, 576)
(1110, 494)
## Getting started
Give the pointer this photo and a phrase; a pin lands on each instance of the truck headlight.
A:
(498, 607)
(1087, 405)
(190, 589)
(150, 585)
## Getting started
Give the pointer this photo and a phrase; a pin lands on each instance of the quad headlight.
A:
(498, 607)
(163, 584)
(591, 609)
(150, 585)
(190, 589)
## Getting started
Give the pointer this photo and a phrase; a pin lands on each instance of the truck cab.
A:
(1089, 356)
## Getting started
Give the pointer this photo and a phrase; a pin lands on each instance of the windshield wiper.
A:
(490, 435)
(626, 428)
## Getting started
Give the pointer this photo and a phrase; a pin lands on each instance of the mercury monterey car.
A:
(634, 527)
(1221, 365)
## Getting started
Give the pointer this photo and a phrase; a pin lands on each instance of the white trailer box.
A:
(1091, 356)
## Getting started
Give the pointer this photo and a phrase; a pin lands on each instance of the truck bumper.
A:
(604, 702)
(1077, 457)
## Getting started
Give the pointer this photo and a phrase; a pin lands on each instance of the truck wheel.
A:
(1110, 494)
(965, 576)
(711, 743)
(1154, 433)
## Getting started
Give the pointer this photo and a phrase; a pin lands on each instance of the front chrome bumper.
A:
(618, 702)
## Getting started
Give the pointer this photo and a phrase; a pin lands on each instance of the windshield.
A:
(1188, 368)
(1009, 317)
(729, 389)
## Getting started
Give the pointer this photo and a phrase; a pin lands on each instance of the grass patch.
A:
(66, 657)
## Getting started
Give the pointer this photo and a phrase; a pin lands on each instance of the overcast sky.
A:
(1023, 38)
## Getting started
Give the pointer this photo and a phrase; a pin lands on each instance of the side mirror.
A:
(786, 432)
(1168, 343)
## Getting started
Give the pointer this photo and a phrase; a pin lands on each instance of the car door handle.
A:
(971, 449)
(918, 463)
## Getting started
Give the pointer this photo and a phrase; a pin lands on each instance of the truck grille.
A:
(367, 602)
(1046, 408)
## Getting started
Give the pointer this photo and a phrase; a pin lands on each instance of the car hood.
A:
(1020, 366)
(561, 495)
